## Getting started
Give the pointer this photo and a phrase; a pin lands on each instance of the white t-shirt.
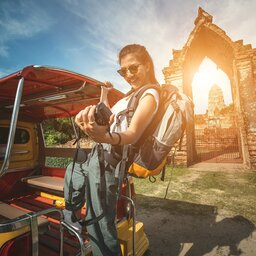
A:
(121, 105)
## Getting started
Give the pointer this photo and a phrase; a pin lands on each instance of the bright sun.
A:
(207, 75)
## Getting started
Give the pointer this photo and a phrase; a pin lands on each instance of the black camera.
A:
(102, 114)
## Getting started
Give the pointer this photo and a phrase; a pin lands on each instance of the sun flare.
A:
(207, 75)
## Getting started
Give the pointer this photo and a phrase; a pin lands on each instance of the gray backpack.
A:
(175, 111)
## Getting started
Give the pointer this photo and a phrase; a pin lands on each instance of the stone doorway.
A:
(218, 145)
(238, 61)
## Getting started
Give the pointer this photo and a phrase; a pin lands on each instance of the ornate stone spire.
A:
(215, 100)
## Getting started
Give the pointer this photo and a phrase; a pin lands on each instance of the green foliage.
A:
(58, 131)
(57, 162)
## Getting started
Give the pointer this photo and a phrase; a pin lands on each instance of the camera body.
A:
(102, 114)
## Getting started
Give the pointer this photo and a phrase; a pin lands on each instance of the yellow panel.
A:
(4, 237)
(29, 157)
(140, 171)
(58, 200)
(124, 231)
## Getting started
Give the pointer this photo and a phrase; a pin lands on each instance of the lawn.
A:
(229, 192)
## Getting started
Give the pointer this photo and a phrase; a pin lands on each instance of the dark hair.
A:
(142, 55)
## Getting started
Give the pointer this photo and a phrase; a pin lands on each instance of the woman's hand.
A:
(108, 85)
(105, 89)
(85, 120)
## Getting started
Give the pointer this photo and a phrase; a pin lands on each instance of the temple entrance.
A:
(221, 138)
(238, 62)
(216, 133)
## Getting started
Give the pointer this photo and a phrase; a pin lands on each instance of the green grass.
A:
(144, 186)
(205, 191)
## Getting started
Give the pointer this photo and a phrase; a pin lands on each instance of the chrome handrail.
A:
(133, 223)
(30, 219)
(84, 249)
(13, 125)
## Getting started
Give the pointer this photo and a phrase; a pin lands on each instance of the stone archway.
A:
(237, 60)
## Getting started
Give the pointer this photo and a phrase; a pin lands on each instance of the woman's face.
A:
(133, 71)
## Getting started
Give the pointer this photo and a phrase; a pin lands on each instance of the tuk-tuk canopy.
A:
(50, 92)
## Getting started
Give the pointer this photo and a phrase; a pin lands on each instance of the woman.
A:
(138, 70)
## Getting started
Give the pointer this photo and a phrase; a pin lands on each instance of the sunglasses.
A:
(133, 69)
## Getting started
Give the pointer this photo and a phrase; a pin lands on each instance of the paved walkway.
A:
(208, 166)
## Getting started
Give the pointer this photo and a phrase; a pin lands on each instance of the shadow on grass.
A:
(170, 224)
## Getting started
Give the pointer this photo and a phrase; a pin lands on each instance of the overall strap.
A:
(95, 221)
(101, 159)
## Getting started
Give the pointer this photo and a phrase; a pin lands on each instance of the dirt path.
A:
(172, 234)
(179, 228)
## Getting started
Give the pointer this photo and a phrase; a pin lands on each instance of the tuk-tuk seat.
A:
(11, 212)
(51, 184)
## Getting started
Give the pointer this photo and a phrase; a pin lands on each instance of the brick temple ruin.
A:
(238, 61)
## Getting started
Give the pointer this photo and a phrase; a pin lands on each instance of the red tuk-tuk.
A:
(31, 189)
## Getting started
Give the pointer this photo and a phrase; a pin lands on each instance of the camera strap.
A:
(102, 176)
(80, 157)
(71, 188)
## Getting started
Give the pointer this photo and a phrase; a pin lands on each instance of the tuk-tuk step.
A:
(11, 212)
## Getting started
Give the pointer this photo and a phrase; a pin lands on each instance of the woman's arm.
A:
(140, 120)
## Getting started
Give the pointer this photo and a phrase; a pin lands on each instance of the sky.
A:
(85, 36)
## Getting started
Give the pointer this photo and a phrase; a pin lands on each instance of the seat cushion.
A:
(49, 182)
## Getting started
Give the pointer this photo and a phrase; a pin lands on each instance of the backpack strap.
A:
(166, 92)
(134, 101)
(135, 96)
(128, 150)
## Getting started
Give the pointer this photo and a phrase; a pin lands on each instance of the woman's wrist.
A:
(119, 138)
(114, 138)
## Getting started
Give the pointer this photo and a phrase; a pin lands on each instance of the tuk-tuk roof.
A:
(51, 92)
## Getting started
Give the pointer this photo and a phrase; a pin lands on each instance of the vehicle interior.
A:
(31, 182)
